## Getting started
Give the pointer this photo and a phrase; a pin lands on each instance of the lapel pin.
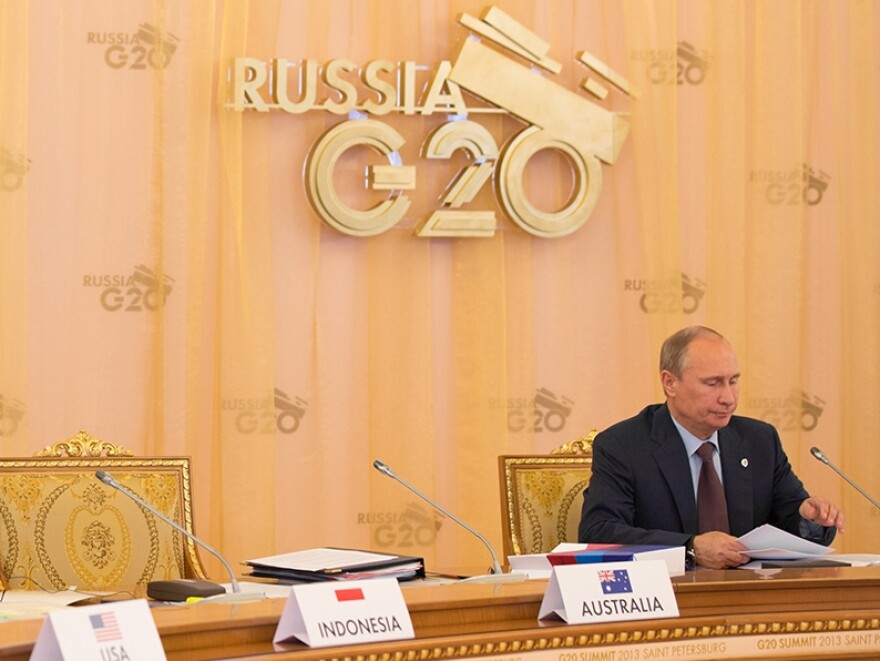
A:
(744, 462)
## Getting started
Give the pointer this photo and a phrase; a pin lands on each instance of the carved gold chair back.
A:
(541, 496)
(61, 527)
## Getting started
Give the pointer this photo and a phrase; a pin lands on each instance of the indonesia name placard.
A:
(344, 613)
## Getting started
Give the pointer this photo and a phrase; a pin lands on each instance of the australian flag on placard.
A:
(614, 581)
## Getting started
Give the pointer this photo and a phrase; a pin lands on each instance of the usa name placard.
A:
(121, 631)
(345, 612)
(609, 592)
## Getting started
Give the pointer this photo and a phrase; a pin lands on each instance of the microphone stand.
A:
(816, 452)
(497, 575)
(236, 594)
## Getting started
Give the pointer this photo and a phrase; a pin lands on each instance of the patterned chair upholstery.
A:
(541, 496)
(60, 526)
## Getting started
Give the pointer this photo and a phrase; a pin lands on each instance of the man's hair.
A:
(673, 353)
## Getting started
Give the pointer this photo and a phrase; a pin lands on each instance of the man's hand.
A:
(718, 550)
(822, 511)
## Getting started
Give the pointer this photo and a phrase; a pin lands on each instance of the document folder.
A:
(335, 564)
(595, 553)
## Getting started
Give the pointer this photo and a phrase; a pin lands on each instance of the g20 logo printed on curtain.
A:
(797, 411)
(266, 415)
(685, 65)
(13, 168)
(557, 120)
(671, 295)
(11, 415)
(798, 185)
(546, 411)
(413, 526)
(141, 291)
(147, 47)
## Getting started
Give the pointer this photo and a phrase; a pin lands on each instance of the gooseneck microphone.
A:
(237, 594)
(816, 452)
(497, 573)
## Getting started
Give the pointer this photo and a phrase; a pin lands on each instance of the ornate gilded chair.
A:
(540, 496)
(60, 526)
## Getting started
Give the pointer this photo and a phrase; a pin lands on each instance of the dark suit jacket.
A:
(641, 490)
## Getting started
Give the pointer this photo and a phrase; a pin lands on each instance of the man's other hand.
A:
(718, 550)
(822, 511)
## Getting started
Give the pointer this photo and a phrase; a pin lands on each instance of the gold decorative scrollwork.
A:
(98, 541)
(599, 643)
(582, 445)
(161, 491)
(22, 491)
(565, 507)
(83, 445)
(40, 538)
(545, 488)
(94, 497)
(12, 545)
(531, 516)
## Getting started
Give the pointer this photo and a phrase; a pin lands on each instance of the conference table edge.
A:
(491, 618)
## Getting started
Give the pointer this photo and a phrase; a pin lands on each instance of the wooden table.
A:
(736, 614)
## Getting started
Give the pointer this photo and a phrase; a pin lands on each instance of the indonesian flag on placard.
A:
(349, 594)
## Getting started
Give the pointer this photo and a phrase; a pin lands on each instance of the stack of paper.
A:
(772, 548)
(770, 543)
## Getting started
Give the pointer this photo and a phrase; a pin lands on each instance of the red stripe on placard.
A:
(350, 594)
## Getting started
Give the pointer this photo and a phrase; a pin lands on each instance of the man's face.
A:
(706, 395)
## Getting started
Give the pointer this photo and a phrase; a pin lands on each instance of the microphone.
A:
(180, 588)
(816, 452)
(497, 574)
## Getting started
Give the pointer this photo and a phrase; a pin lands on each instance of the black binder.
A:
(803, 562)
(284, 568)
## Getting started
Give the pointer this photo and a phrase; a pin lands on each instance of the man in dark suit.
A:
(646, 470)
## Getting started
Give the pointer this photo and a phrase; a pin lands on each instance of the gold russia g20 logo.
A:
(557, 119)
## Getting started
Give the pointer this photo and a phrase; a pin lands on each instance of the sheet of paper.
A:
(321, 558)
(27, 604)
(857, 559)
(770, 543)
(564, 547)
(271, 590)
(533, 565)
(777, 554)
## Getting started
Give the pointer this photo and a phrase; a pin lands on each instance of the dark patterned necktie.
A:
(711, 504)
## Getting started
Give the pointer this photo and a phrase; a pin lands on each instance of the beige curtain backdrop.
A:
(166, 284)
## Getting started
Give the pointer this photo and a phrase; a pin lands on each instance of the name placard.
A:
(609, 592)
(345, 612)
(114, 631)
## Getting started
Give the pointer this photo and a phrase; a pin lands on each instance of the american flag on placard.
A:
(105, 627)
(614, 581)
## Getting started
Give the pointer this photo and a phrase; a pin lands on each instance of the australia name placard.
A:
(609, 591)
(345, 612)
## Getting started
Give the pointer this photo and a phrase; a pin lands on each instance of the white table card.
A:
(345, 612)
(106, 632)
(609, 592)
